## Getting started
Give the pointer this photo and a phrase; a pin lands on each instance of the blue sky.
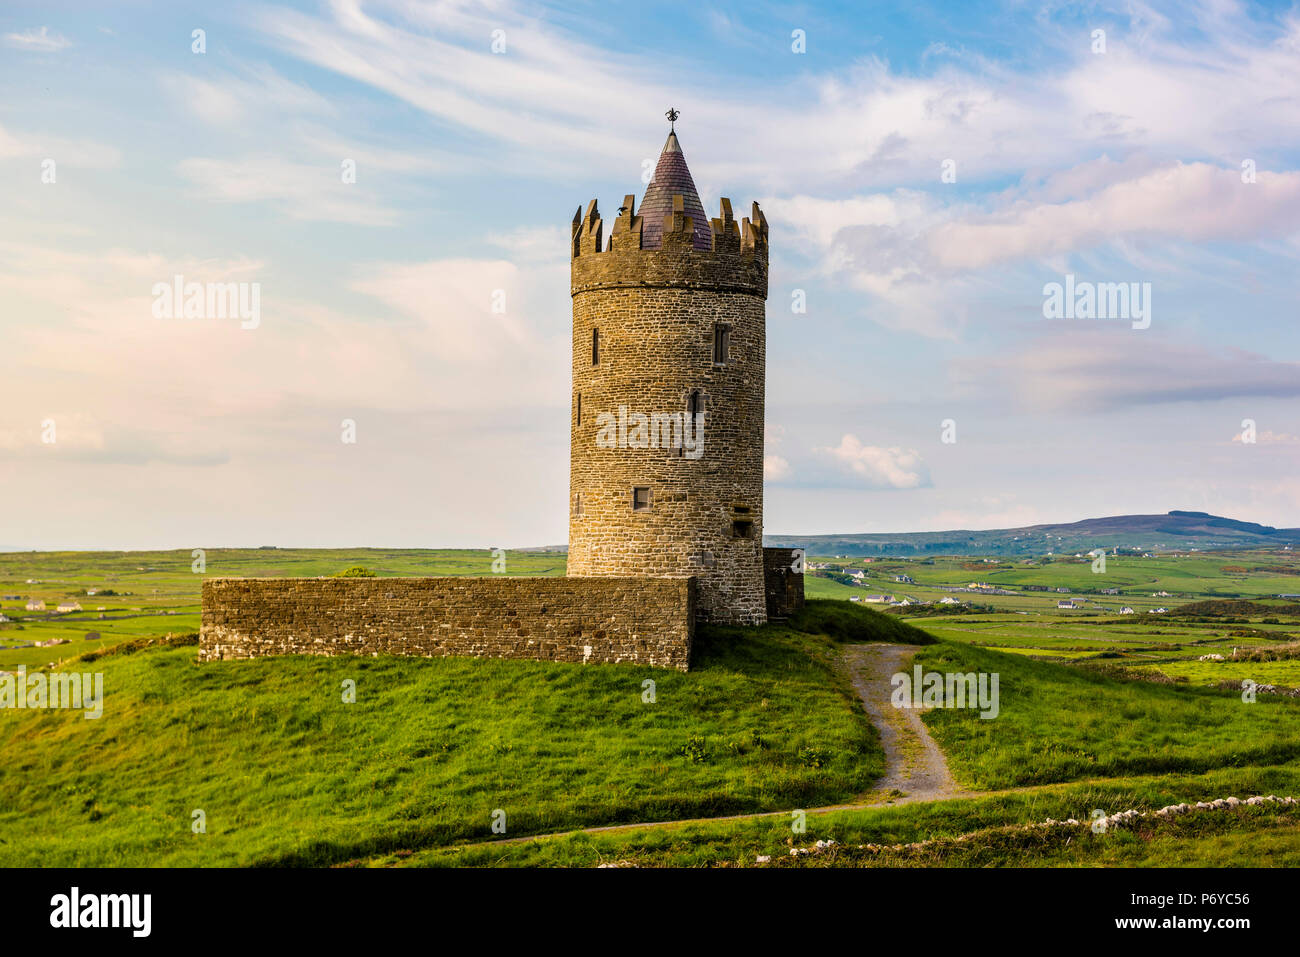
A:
(924, 296)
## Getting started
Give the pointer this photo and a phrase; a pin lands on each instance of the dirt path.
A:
(915, 768)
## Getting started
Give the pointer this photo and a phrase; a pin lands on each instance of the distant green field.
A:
(1284, 674)
(1029, 622)
(158, 592)
(1200, 576)
(148, 583)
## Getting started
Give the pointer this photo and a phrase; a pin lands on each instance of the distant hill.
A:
(1175, 530)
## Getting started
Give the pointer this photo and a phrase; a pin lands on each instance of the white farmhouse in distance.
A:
(69, 605)
(1126, 610)
(35, 604)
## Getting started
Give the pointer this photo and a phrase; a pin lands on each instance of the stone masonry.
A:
(783, 578)
(589, 620)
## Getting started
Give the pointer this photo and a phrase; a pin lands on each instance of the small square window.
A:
(640, 498)
(742, 529)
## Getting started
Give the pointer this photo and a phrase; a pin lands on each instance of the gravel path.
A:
(915, 768)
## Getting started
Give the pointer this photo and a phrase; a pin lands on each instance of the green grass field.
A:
(158, 592)
(1062, 724)
(413, 771)
(286, 772)
(1242, 840)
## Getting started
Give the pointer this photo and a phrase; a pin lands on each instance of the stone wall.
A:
(783, 585)
(591, 620)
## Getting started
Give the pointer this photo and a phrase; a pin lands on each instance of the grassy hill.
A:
(971, 832)
(287, 773)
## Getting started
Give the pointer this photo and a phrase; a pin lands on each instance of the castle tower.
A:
(669, 324)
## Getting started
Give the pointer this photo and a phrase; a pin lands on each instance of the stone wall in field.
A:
(783, 581)
(648, 621)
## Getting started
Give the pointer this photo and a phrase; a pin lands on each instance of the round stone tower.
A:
(666, 455)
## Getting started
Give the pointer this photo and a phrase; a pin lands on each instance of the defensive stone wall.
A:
(648, 621)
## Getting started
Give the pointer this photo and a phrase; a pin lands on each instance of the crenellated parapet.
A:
(736, 260)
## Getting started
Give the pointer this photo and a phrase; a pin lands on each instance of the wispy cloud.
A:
(556, 96)
(1101, 369)
(305, 191)
(37, 40)
(1194, 202)
(74, 152)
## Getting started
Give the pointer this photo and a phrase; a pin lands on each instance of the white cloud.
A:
(553, 96)
(37, 41)
(1194, 202)
(428, 341)
(305, 191)
(453, 304)
(775, 468)
(233, 99)
(535, 243)
(302, 174)
(85, 154)
(876, 466)
(84, 438)
(925, 262)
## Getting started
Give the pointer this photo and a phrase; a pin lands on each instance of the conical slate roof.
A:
(671, 176)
